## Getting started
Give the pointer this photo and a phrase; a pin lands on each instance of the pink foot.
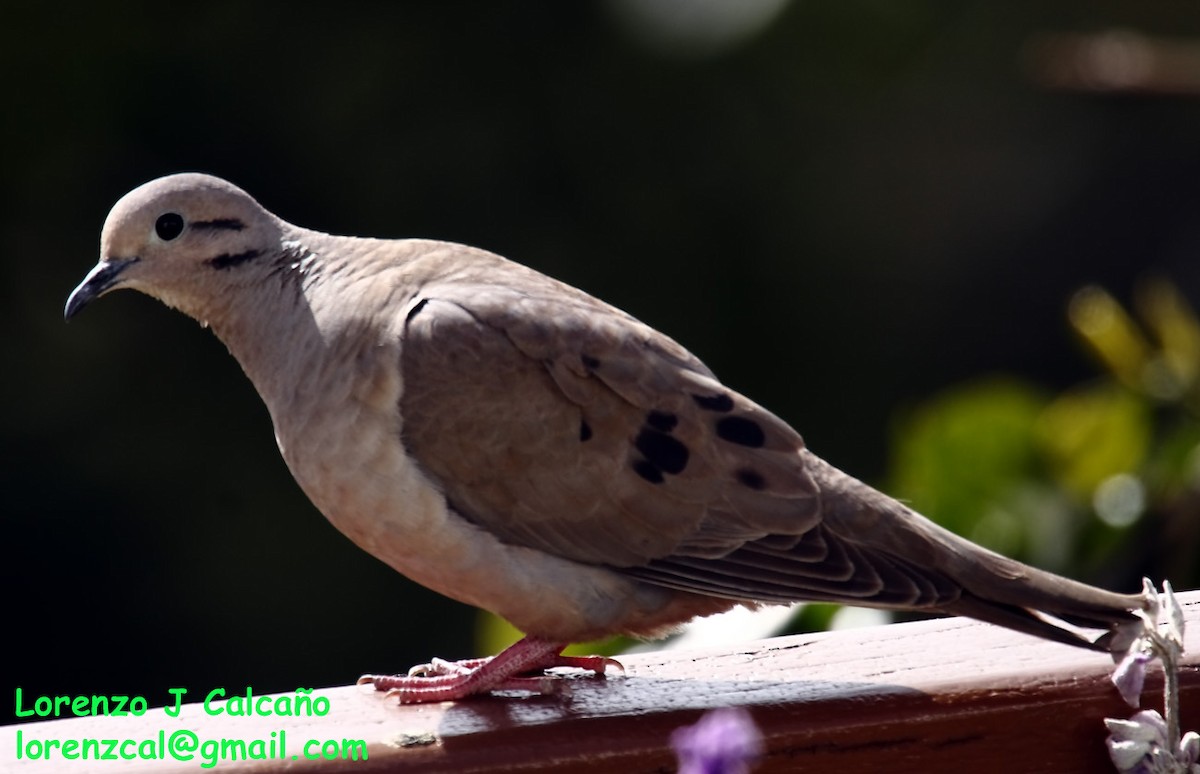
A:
(451, 680)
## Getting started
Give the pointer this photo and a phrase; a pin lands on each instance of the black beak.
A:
(98, 281)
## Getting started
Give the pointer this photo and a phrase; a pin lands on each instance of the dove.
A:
(518, 445)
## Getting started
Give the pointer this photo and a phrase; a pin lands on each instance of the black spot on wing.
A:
(647, 471)
(585, 430)
(417, 307)
(751, 479)
(230, 260)
(589, 362)
(664, 452)
(662, 420)
(742, 431)
(721, 402)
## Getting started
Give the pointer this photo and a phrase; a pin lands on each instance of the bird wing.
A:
(559, 423)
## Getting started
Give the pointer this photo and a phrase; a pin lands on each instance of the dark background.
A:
(842, 211)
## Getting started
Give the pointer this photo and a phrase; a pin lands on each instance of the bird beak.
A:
(99, 281)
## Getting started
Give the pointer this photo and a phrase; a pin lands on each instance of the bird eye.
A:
(168, 226)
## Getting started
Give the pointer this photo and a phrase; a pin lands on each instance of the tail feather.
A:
(1120, 630)
(1005, 592)
(990, 587)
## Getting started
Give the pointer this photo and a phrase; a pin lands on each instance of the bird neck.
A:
(319, 300)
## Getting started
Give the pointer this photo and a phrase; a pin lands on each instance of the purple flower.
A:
(1130, 675)
(1136, 745)
(1140, 746)
(1189, 750)
(723, 741)
(1148, 743)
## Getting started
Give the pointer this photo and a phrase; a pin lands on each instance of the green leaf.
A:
(1093, 432)
(959, 457)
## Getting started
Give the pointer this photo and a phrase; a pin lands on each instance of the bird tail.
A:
(1005, 592)
(991, 587)
(1043, 614)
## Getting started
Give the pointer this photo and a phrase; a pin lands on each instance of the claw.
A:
(597, 664)
(442, 680)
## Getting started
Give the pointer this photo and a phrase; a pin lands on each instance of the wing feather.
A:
(561, 424)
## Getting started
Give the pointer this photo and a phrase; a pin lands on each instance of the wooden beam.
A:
(946, 695)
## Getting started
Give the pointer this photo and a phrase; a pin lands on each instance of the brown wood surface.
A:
(947, 695)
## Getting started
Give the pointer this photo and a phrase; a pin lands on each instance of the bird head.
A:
(176, 239)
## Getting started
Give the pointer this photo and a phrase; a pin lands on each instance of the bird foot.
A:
(441, 680)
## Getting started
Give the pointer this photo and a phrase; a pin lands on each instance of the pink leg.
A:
(451, 680)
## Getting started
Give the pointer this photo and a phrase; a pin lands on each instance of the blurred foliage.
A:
(1100, 481)
(813, 617)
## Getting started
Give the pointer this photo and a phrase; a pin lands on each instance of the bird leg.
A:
(442, 680)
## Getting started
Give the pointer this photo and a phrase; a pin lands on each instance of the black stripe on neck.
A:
(227, 261)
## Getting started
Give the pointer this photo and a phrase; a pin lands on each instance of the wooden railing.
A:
(935, 696)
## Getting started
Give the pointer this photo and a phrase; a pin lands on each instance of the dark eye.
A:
(168, 226)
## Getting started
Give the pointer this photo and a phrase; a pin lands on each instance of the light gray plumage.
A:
(519, 445)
